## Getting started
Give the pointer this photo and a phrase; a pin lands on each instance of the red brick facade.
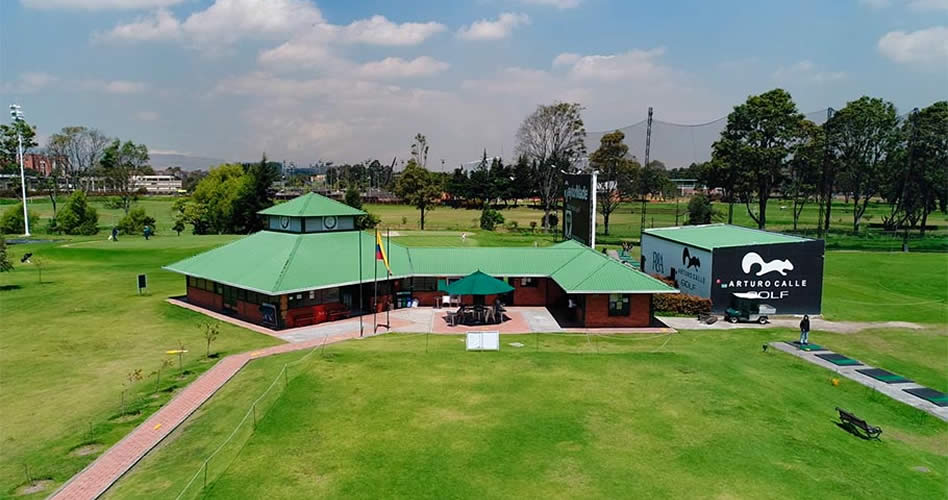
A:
(206, 299)
(597, 312)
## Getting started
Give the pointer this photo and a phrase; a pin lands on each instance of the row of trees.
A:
(864, 151)
(369, 174)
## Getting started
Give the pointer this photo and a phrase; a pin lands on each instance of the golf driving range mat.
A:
(884, 376)
(938, 398)
(806, 347)
(838, 359)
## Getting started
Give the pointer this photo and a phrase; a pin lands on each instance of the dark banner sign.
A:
(788, 276)
(579, 216)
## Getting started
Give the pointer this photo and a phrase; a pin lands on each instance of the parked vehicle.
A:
(748, 307)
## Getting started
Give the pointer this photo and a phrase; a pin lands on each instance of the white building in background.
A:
(157, 184)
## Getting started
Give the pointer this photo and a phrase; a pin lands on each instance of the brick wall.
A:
(249, 312)
(206, 299)
(597, 312)
(530, 295)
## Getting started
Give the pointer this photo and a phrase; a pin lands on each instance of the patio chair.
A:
(445, 301)
(452, 317)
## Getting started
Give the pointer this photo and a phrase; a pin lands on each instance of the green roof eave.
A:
(311, 205)
(711, 236)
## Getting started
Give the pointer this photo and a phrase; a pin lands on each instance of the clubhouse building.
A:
(312, 265)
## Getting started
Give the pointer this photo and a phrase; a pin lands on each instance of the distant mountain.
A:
(160, 161)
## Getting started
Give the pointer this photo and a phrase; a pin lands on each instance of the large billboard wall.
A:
(579, 215)
(788, 276)
(689, 266)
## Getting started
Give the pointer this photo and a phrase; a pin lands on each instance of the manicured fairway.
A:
(69, 343)
(704, 413)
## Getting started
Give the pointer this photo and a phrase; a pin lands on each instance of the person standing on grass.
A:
(114, 236)
(805, 330)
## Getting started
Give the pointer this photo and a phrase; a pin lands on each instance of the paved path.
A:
(894, 391)
(816, 324)
(98, 476)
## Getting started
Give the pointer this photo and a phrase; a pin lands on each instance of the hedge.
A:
(679, 303)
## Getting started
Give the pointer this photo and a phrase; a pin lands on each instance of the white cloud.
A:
(109, 86)
(160, 25)
(378, 30)
(396, 67)
(915, 5)
(806, 71)
(147, 116)
(98, 4)
(225, 21)
(925, 46)
(559, 4)
(29, 82)
(566, 59)
(634, 64)
(493, 30)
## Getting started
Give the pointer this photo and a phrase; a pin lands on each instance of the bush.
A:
(490, 218)
(699, 210)
(114, 203)
(553, 219)
(404, 220)
(77, 217)
(512, 225)
(135, 221)
(367, 221)
(680, 303)
(11, 222)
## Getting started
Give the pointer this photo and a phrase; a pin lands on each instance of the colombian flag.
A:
(380, 251)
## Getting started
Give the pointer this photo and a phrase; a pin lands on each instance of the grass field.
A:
(70, 342)
(624, 226)
(702, 414)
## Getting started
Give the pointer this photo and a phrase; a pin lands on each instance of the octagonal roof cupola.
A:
(311, 213)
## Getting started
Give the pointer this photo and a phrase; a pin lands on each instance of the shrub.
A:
(77, 217)
(113, 202)
(680, 303)
(699, 210)
(490, 218)
(135, 221)
(553, 219)
(11, 222)
(367, 221)
(404, 220)
(533, 225)
(513, 225)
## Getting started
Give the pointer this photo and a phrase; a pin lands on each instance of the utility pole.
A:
(648, 145)
(17, 114)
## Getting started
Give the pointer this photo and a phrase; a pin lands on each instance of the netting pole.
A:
(648, 145)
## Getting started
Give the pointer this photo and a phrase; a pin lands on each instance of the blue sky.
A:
(345, 81)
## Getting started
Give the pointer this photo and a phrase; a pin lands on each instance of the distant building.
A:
(40, 163)
(686, 187)
(157, 184)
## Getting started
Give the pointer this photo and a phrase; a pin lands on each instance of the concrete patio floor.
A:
(518, 320)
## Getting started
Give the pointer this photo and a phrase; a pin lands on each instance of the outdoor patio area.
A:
(516, 320)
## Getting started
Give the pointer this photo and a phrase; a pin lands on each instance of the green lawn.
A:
(69, 343)
(583, 417)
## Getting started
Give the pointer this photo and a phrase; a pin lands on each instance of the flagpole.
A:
(391, 290)
(360, 282)
(375, 301)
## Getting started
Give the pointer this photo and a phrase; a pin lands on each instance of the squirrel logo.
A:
(688, 261)
(774, 266)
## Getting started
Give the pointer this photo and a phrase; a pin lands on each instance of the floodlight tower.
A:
(16, 113)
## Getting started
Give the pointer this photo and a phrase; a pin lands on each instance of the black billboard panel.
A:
(787, 276)
(579, 215)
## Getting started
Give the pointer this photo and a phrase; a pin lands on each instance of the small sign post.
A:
(142, 283)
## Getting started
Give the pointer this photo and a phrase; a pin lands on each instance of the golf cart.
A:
(748, 307)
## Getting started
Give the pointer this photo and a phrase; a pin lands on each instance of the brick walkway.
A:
(98, 476)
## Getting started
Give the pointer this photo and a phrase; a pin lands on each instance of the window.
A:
(192, 281)
(618, 304)
(528, 282)
(424, 284)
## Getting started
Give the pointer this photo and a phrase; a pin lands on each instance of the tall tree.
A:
(553, 137)
(803, 172)
(79, 149)
(759, 139)
(931, 143)
(501, 180)
(863, 134)
(721, 174)
(9, 143)
(419, 188)
(617, 173)
(480, 188)
(650, 181)
(458, 186)
(257, 195)
(523, 185)
(121, 162)
(419, 150)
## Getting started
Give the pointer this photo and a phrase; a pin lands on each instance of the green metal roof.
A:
(275, 263)
(311, 205)
(711, 236)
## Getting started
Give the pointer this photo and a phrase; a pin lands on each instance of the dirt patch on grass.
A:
(86, 450)
(34, 487)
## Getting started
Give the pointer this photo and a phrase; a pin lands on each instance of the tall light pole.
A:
(17, 114)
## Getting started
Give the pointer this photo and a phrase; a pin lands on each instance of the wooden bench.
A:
(856, 424)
